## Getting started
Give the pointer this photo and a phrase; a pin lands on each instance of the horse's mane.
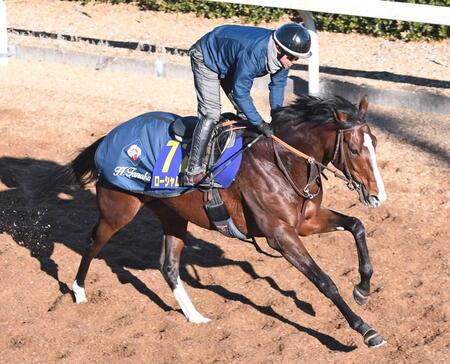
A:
(310, 109)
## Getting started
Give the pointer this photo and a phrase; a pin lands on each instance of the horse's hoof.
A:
(359, 296)
(199, 319)
(79, 293)
(373, 339)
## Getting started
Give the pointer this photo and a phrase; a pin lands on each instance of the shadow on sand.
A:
(69, 221)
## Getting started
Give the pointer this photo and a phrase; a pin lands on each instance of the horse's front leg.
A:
(295, 252)
(325, 221)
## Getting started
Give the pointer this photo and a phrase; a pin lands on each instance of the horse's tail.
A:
(80, 171)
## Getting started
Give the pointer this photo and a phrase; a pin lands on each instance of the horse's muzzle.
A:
(374, 201)
(368, 200)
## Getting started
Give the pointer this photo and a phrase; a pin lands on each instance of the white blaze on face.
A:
(373, 161)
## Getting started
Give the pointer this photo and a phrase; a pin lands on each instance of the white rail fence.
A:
(366, 8)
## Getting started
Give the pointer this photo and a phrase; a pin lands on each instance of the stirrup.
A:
(200, 180)
(190, 180)
(207, 184)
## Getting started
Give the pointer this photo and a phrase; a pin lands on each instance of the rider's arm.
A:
(277, 85)
(242, 84)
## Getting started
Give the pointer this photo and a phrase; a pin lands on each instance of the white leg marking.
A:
(187, 306)
(340, 228)
(79, 293)
(382, 196)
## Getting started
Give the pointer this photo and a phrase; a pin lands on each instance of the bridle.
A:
(339, 153)
(316, 168)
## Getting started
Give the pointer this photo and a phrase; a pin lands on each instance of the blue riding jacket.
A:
(240, 52)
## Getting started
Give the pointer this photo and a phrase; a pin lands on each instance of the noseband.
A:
(316, 168)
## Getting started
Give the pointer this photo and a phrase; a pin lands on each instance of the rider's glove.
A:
(264, 128)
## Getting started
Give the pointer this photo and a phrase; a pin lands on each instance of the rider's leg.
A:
(207, 86)
(195, 169)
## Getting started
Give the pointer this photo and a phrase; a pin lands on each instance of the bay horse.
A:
(267, 199)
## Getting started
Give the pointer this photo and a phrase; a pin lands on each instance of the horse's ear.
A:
(340, 116)
(363, 106)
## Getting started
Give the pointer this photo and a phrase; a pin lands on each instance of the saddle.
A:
(182, 129)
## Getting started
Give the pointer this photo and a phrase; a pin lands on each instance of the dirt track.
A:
(263, 310)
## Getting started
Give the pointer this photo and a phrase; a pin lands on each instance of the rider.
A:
(231, 57)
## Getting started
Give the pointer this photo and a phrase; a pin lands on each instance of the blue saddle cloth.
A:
(141, 156)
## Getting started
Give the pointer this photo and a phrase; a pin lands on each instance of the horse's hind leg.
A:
(116, 210)
(175, 228)
(327, 221)
(170, 260)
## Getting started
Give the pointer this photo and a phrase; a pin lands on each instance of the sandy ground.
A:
(262, 309)
(400, 65)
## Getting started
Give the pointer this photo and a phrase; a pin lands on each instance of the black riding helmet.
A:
(294, 40)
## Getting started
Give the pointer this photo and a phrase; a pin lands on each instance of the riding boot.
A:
(195, 169)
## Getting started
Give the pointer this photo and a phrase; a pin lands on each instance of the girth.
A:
(219, 216)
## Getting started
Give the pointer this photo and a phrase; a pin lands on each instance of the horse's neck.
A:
(317, 143)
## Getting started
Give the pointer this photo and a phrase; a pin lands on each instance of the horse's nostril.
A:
(374, 201)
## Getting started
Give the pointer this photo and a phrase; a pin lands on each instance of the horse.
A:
(265, 200)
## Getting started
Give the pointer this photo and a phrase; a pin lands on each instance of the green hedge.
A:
(328, 22)
(384, 27)
(250, 14)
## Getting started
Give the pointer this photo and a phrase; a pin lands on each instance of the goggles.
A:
(289, 56)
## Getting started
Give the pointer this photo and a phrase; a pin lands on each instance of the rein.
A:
(339, 149)
(311, 176)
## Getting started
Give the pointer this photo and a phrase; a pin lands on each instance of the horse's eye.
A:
(353, 152)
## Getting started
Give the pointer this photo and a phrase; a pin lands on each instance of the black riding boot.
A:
(195, 170)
